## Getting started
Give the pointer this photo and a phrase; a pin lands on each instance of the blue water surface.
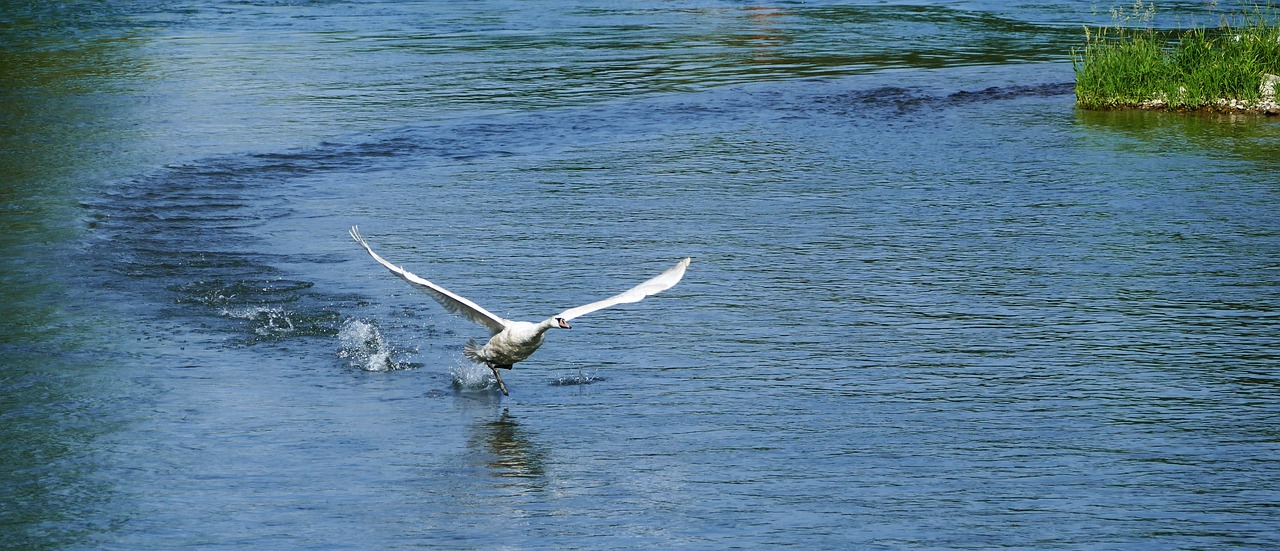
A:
(932, 305)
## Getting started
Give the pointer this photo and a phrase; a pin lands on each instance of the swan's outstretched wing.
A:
(450, 301)
(658, 284)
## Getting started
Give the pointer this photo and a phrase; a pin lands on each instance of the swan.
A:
(513, 341)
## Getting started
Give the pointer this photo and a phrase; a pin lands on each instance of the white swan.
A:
(514, 341)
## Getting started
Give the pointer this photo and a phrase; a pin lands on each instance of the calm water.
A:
(931, 305)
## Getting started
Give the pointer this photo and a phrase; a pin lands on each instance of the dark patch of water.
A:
(902, 100)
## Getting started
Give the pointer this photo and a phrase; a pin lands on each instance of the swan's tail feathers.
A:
(472, 351)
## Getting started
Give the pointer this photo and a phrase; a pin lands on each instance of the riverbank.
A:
(1232, 68)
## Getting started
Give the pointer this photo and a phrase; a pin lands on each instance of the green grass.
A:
(1185, 70)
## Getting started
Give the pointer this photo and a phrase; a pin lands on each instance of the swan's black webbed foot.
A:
(501, 385)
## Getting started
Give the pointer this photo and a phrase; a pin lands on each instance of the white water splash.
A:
(363, 346)
(468, 375)
(582, 378)
(267, 320)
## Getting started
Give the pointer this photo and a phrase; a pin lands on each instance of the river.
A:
(932, 305)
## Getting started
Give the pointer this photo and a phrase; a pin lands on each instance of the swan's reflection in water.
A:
(508, 451)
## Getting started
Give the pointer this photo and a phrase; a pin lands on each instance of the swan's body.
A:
(513, 341)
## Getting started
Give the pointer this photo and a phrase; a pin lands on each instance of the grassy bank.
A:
(1196, 69)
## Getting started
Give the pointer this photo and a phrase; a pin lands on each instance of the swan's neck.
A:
(549, 323)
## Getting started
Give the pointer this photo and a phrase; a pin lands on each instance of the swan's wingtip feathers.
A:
(657, 284)
(453, 303)
(355, 234)
(673, 275)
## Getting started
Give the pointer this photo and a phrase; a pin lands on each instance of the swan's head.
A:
(563, 323)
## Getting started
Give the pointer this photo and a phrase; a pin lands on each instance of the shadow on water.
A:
(1251, 138)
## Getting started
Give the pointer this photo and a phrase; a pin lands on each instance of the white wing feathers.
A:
(656, 285)
(451, 302)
